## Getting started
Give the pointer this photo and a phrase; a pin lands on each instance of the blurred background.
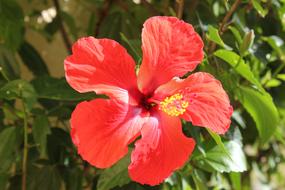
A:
(244, 48)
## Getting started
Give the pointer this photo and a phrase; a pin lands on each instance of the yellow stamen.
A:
(174, 105)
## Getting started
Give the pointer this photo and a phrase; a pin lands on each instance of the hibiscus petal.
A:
(162, 149)
(209, 105)
(102, 130)
(171, 48)
(103, 66)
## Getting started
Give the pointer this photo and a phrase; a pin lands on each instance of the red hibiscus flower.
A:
(149, 105)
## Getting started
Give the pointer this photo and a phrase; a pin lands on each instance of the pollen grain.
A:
(174, 105)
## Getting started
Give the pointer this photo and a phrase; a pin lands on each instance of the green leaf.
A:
(236, 180)
(115, 176)
(136, 50)
(58, 143)
(41, 129)
(10, 140)
(217, 160)
(91, 24)
(32, 59)
(4, 177)
(199, 180)
(74, 178)
(262, 109)
(214, 36)
(239, 65)
(257, 6)
(272, 83)
(44, 178)
(12, 21)
(51, 28)
(70, 22)
(57, 89)
(236, 34)
(8, 64)
(281, 77)
(19, 89)
(219, 142)
(276, 44)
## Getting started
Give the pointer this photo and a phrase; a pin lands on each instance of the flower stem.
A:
(25, 151)
(228, 16)
(212, 45)
(63, 32)
(102, 14)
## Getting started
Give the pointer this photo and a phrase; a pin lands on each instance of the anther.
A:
(174, 105)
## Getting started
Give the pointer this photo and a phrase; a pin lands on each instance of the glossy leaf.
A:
(239, 65)
(257, 5)
(281, 77)
(219, 142)
(262, 109)
(214, 36)
(272, 83)
(236, 180)
(217, 160)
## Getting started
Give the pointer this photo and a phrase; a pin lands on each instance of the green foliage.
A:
(217, 159)
(238, 65)
(44, 178)
(11, 19)
(32, 59)
(215, 37)
(10, 141)
(19, 89)
(244, 49)
(262, 109)
(41, 129)
(115, 176)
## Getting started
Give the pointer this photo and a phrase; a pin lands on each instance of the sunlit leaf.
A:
(239, 65)
(214, 36)
(217, 160)
(281, 77)
(257, 5)
(272, 83)
(236, 180)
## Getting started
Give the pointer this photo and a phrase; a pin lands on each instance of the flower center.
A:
(174, 105)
